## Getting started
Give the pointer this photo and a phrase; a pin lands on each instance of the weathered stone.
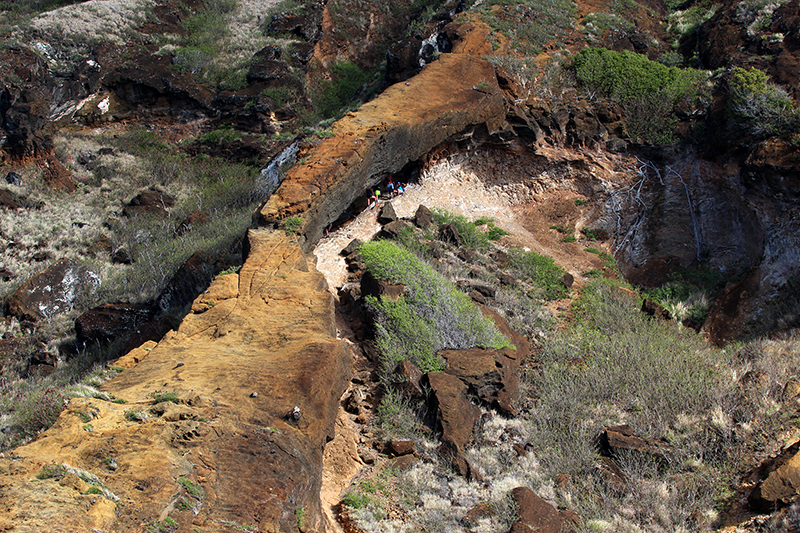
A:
(612, 474)
(121, 256)
(58, 177)
(407, 379)
(192, 220)
(392, 230)
(567, 279)
(456, 417)
(151, 202)
(10, 200)
(401, 447)
(656, 310)
(778, 480)
(449, 234)
(492, 375)
(354, 245)
(477, 297)
(386, 214)
(370, 286)
(615, 439)
(272, 329)
(53, 291)
(534, 515)
(423, 218)
(112, 321)
(266, 70)
(191, 279)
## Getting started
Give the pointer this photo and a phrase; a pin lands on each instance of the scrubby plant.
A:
(292, 224)
(192, 489)
(434, 316)
(529, 23)
(760, 107)
(469, 231)
(648, 90)
(347, 79)
(541, 271)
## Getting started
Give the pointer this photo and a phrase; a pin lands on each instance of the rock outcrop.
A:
(205, 436)
(451, 95)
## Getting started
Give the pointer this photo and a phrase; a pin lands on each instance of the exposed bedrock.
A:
(237, 442)
(409, 119)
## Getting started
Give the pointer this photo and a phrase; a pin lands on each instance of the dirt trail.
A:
(449, 185)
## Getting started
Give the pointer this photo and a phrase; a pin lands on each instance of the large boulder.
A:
(53, 291)
(534, 515)
(491, 375)
(456, 417)
(778, 480)
(151, 202)
(112, 321)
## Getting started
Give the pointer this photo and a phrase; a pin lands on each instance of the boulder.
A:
(491, 375)
(656, 310)
(53, 291)
(387, 214)
(423, 218)
(371, 286)
(112, 321)
(354, 245)
(150, 202)
(57, 176)
(10, 200)
(456, 417)
(407, 378)
(778, 480)
(192, 278)
(615, 439)
(449, 233)
(392, 230)
(192, 220)
(534, 515)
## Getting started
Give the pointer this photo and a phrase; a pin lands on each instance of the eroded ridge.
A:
(223, 424)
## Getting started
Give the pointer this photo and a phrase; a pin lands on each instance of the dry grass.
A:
(95, 20)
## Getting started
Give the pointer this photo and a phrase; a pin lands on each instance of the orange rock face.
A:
(403, 124)
(206, 436)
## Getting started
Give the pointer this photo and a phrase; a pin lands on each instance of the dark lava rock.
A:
(534, 514)
(121, 256)
(354, 245)
(192, 220)
(492, 375)
(12, 178)
(371, 286)
(57, 176)
(449, 233)
(53, 291)
(407, 378)
(392, 230)
(193, 277)
(387, 214)
(456, 418)
(656, 310)
(423, 218)
(112, 321)
(151, 202)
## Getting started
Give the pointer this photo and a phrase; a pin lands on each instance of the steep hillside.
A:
(171, 166)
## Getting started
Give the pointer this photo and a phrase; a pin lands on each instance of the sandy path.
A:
(445, 185)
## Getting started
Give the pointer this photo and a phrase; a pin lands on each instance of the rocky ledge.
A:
(223, 422)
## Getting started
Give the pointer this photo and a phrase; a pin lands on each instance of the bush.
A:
(761, 108)
(648, 89)
(347, 79)
(434, 316)
(471, 235)
(540, 270)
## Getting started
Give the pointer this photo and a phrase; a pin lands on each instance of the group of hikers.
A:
(392, 189)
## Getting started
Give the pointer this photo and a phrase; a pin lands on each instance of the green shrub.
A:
(356, 500)
(292, 224)
(281, 95)
(50, 471)
(165, 397)
(347, 79)
(540, 270)
(569, 238)
(192, 489)
(434, 316)
(761, 108)
(471, 235)
(648, 89)
(529, 23)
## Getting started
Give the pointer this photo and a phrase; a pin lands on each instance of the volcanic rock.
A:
(534, 515)
(53, 291)
(112, 321)
(151, 202)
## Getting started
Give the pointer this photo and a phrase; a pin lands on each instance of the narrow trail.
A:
(444, 185)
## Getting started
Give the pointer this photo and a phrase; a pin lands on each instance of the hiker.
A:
(390, 187)
(373, 200)
(400, 188)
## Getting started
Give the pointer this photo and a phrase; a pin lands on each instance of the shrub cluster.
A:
(649, 90)
(761, 108)
(434, 316)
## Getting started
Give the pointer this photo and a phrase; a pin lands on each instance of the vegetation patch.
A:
(434, 316)
(759, 107)
(541, 271)
(648, 90)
